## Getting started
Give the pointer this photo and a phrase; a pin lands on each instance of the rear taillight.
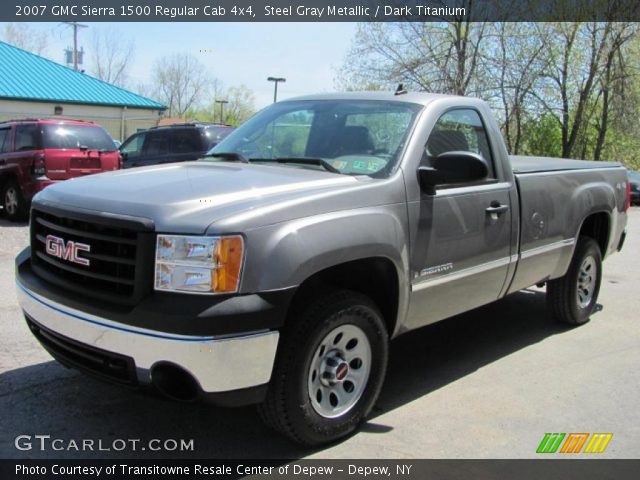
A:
(39, 168)
(627, 204)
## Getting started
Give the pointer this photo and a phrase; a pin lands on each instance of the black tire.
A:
(569, 303)
(14, 204)
(288, 407)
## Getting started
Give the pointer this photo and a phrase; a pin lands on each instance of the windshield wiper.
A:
(229, 156)
(302, 160)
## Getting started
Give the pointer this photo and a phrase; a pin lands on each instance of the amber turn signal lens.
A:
(228, 255)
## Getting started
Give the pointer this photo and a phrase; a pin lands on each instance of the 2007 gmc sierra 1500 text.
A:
(277, 269)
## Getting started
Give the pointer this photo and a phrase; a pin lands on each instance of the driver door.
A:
(461, 253)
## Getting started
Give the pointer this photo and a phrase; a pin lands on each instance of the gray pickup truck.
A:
(277, 269)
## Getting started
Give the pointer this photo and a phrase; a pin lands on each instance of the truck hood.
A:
(188, 197)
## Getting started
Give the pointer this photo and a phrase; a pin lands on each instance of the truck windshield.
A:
(353, 137)
(76, 136)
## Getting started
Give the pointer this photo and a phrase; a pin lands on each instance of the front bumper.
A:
(217, 363)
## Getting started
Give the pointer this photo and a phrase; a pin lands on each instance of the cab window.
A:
(459, 130)
(133, 147)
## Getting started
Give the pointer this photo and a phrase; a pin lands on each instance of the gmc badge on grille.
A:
(66, 250)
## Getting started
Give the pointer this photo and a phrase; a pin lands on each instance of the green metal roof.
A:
(26, 76)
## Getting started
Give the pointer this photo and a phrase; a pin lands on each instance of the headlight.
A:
(198, 264)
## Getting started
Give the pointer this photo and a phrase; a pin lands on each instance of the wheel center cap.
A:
(342, 371)
(334, 369)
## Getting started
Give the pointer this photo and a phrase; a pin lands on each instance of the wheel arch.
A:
(375, 277)
(597, 225)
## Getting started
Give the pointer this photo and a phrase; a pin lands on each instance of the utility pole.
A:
(75, 26)
(222, 102)
(275, 80)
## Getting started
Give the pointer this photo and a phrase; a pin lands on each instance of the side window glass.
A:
(4, 140)
(186, 141)
(27, 137)
(133, 146)
(459, 130)
(157, 144)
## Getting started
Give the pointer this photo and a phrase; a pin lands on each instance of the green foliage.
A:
(543, 137)
(557, 89)
(238, 107)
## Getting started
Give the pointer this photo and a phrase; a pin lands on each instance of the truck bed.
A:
(522, 164)
(555, 197)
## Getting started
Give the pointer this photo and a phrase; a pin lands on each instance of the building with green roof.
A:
(34, 86)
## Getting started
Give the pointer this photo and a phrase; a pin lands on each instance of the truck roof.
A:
(421, 98)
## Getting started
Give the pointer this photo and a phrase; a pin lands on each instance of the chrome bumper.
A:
(219, 364)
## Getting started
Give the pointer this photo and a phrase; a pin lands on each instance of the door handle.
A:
(496, 208)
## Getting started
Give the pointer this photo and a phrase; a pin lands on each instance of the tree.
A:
(584, 76)
(241, 104)
(514, 75)
(181, 82)
(112, 54)
(579, 53)
(23, 36)
(615, 83)
(239, 107)
(436, 57)
(441, 57)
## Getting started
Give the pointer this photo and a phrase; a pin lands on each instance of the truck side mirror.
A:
(452, 167)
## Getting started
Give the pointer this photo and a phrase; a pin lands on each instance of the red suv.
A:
(37, 153)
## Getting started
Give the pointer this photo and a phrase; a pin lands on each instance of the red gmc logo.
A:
(57, 247)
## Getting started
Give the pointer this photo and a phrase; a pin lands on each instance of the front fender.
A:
(284, 255)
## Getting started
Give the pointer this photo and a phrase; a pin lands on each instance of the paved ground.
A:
(487, 384)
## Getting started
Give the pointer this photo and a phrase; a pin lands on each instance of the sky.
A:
(306, 54)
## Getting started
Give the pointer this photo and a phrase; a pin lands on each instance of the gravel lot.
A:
(486, 384)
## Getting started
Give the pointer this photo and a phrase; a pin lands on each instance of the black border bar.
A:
(318, 10)
(407, 469)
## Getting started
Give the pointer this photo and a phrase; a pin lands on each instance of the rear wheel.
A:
(13, 202)
(330, 368)
(572, 298)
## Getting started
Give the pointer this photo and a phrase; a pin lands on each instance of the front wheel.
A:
(572, 298)
(330, 369)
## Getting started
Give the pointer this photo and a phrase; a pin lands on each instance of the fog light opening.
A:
(174, 382)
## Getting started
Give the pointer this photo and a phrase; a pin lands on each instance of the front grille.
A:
(101, 363)
(119, 262)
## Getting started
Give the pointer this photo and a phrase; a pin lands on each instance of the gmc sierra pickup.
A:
(277, 269)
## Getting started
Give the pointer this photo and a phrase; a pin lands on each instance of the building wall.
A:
(119, 122)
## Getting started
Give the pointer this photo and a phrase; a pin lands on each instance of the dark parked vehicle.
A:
(172, 143)
(36, 153)
(634, 182)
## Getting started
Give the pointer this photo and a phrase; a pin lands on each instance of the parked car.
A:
(172, 143)
(277, 269)
(634, 182)
(36, 153)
